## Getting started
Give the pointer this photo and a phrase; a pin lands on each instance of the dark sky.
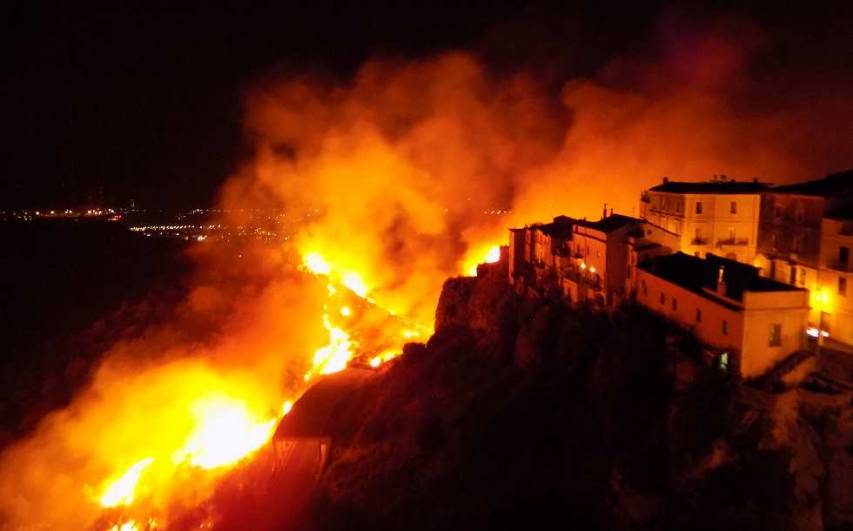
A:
(145, 103)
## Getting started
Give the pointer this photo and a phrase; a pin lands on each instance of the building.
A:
(599, 265)
(748, 322)
(832, 302)
(751, 319)
(801, 240)
(719, 216)
(584, 260)
(538, 251)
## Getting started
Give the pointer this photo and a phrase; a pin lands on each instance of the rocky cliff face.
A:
(525, 412)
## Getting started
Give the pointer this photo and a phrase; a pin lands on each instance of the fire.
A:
(121, 490)
(334, 356)
(316, 263)
(226, 432)
(484, 254)
(355, 283)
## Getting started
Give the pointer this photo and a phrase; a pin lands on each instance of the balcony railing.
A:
(732, 241)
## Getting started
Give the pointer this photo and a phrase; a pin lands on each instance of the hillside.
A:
(525, 413)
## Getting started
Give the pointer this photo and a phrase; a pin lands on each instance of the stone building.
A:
(748, 322)
(719, 216)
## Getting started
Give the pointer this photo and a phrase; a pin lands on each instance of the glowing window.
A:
(724, 361)
(775, 335)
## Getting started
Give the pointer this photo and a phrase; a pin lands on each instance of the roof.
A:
(610, 223)
(561, 227)
(833, 185)
(711, 187)
(695, 274)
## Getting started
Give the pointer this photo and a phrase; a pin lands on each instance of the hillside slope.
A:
(524, 413)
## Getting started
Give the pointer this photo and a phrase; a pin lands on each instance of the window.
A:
(724, 361)
(674, 304)
(801, 279)
(725, 327)
(733, 207)
(662, 298)
(792, 277)
(698, 207)
(645, 288)
(799, 214)
(775, 335)
(843, 257)
(842, 286)
(698, 315)
(732, 234)
(778, 212)
(796, 243)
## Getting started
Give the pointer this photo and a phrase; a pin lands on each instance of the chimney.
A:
(604, 215)
(721, 284)
(611, 211)
(665, 179)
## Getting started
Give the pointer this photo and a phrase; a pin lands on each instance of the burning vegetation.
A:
(401, 171)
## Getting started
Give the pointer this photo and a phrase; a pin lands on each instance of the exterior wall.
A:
(747, 337)
(709, 329)
(789, 310)
(589, 249)
(715, 229)
(832, 309)
(789, 228)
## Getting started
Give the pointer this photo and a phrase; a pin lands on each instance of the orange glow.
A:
(316, 263)
(226, 431)
(120, 491)
(334, 356)
(482, 254)
(820, 299)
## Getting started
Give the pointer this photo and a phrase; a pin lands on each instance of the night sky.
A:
(124, 102)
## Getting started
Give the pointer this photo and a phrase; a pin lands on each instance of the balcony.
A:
(732, 241)
(699, 241)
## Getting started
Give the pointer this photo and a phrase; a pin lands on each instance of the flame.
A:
(226, 432)
(355, 283)
(121, 490)
(336, 355)
(315, 263)
(483, 254)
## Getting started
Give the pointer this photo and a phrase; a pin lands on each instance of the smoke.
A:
(390, 177)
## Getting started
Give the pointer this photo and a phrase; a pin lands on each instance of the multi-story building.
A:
(584, 260)
(832, 302)
(801, 240)
(718, 216)
(748, 322)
